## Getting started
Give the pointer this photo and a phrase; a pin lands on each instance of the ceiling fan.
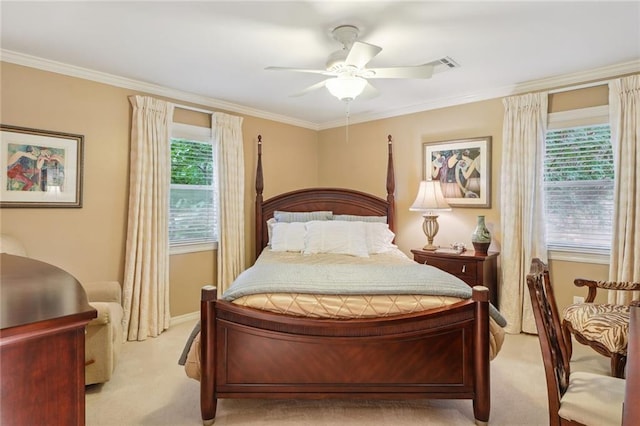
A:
(347, 70)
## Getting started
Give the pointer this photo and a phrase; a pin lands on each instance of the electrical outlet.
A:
(578, 299)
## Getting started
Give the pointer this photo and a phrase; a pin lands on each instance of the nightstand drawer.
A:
(465, 270)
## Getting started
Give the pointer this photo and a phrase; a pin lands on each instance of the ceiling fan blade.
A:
(369, 92)
(361, 53)
(307, 70)
(309, 89)
(418, 71)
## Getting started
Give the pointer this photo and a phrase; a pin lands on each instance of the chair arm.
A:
(607, 285)
(105, 314)
(104, 291)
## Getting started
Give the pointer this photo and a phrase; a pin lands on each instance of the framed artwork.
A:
(40, 168)
(463, 168)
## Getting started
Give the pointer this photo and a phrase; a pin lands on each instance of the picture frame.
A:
(463, 167)
(40, 168)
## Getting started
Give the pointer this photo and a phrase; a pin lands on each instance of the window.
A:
(579, 182)
(193, 198)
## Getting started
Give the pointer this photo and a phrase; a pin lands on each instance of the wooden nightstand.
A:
(472, 268)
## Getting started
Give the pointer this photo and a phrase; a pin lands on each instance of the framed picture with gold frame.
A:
(40, 168)
(463, 168)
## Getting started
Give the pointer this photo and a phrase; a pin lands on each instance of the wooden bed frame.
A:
(248, 353)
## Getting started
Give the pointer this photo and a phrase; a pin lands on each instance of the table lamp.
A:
(430, 201)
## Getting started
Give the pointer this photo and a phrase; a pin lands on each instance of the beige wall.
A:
(89, 242)
(360, 163)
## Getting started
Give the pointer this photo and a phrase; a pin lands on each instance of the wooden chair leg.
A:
(618, 364)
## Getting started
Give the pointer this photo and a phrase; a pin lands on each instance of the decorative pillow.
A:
(339, 237)
(379, 237)
(281, 216)
(354, 218)
(288, 236)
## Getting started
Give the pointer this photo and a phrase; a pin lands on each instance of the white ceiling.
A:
(219, 50)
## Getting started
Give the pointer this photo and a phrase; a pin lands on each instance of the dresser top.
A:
(32, 292)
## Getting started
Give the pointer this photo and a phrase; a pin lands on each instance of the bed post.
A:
(391, 187)
(208, 400)
(259, 189)
(482, 391)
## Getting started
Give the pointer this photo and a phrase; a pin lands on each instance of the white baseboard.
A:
(186, 317)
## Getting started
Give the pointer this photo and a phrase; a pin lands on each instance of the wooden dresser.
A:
(474, 269)
(44, 312)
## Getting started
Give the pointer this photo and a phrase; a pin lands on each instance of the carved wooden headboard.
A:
(337, 200)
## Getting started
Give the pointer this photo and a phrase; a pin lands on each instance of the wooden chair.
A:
(574, 397)
(603, 327)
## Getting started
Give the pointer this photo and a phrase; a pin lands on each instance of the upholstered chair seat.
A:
(602, 326)
(603, 323)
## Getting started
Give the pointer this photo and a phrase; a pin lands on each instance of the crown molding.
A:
(561, 81)
(155, 89)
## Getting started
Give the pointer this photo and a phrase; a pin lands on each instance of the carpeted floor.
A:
(150, 388)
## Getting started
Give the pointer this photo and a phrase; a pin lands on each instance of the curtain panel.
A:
(624, 116)
(522, 204)
(146, 271)
(227, 134)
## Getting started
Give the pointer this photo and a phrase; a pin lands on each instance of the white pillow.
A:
(270, 224)
(379, 237)
(336, 237)
(288, 236)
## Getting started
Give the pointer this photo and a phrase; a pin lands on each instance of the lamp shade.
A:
(430, 198)
(346, 88)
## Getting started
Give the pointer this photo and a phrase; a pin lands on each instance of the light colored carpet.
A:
(150, 388)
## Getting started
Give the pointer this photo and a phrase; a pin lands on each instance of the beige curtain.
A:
(624, 116)
(521, 204)
(227, 135)
(146, 269)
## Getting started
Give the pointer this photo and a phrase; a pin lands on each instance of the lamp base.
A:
(430, 247)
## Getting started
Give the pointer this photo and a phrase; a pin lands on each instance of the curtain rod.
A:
(190, 108)
(579, 86)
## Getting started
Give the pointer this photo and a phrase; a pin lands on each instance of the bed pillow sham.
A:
(270, 224)
(340, 237)
(379, 237)
(282, 216)
(287, 236)
(356, 218)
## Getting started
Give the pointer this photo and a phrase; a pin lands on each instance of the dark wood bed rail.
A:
(339, 200)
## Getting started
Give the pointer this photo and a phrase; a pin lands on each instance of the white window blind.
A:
(578, 185)
(193, 197)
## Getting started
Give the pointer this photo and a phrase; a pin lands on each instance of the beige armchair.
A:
(103, 340)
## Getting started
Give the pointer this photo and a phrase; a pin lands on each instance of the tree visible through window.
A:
(578, 184)
(192, 203)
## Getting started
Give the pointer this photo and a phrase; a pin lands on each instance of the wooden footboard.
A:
(442, 353)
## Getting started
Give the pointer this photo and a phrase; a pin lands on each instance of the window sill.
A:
(580, 257)
(192, 248)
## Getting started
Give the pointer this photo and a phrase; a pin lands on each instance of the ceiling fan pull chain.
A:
(346, 127)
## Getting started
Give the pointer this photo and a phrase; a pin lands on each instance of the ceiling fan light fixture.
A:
(346, 88)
